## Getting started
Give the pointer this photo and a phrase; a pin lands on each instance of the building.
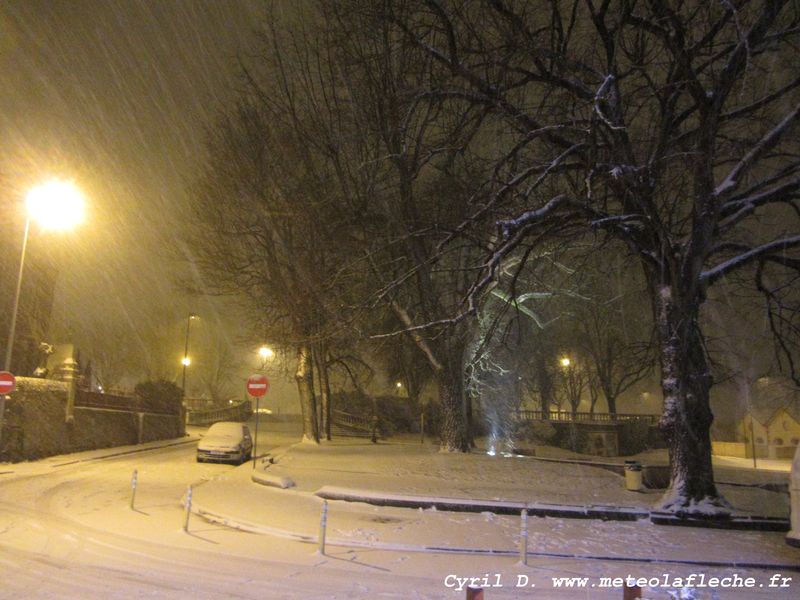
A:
(771, 428)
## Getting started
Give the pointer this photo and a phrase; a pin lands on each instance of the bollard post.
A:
(631, 592)
(323, 524)
(523, 537)
(134, 480)
(474, 593)
(188, 509)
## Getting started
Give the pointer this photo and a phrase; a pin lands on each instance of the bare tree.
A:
(261, 231)
(665, 125)
(573, 377)
(609, 327)
(387, 172)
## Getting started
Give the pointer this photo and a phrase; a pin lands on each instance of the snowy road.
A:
(67, 531)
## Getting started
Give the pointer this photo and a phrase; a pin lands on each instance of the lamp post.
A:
(186, 361)
(54, 205)
(266, 353)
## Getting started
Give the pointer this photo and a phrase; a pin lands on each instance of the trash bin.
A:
(793, 537)
(633, 475)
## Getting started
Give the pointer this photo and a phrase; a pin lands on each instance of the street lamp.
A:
(266, 353)
(186, 361)
(54, 205)
(565, 362)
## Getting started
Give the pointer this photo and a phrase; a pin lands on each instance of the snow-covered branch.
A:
(604, 91)
(741, 208)
(751, 108)
(734, 177)
(406, 320)
(510, 226)
(760, 252)
(511, 186)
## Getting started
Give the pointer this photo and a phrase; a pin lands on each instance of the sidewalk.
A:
(44, 465)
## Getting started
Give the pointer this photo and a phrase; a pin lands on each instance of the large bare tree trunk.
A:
(324, 391)
(545, 384)
(304, 376)
(686, 420)
(455, 434)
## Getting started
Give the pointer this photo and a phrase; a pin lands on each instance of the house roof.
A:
(769, 395)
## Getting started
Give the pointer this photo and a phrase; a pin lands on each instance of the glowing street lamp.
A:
(266, 353)
(54, 205)
(565, 362)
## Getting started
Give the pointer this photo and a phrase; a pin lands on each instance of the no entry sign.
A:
(257, 385)
(7, 382)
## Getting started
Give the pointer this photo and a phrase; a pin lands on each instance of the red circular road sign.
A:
(7, 382)
(257, 385)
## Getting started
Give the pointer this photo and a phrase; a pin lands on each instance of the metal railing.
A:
(87, 399)
(234, 412)
(356, 424)
(584, 417)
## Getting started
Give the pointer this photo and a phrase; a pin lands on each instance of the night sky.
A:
(116, 95)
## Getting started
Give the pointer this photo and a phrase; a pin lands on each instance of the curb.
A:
(566, 511)
(734, 522)
(541, 509)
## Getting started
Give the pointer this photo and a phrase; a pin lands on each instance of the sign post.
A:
(257, 386)
(7, 384)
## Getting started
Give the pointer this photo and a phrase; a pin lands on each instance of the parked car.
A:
(226, 442)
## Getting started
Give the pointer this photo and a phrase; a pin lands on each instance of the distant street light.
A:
(54, 205)
(565, 362)
(266, 353)
(186, 361)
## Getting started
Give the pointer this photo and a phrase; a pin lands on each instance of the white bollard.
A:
(134, 481)
(188, 509)
(523, 537)
(323, 524)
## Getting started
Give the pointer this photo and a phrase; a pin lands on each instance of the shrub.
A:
(534, 432)
(633, 437)
(159, 396)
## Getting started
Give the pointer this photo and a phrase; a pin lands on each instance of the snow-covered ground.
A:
(67, 529)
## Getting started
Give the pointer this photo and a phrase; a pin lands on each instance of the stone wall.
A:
(35, 424)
